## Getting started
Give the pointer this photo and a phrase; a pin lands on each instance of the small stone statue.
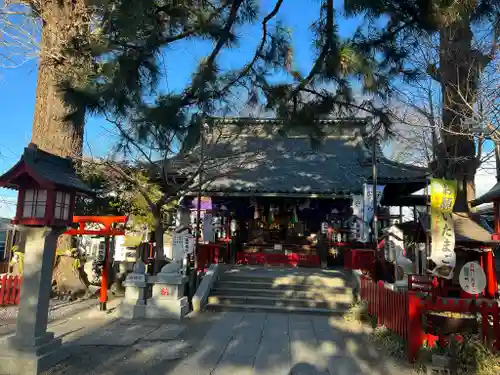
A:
(139, 267)
(174, 267)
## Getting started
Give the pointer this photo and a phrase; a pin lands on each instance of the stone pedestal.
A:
(168, 299)
(32, 349)
(133, 305)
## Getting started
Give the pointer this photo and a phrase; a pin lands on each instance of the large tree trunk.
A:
(459, 73)
(64, 59)
(58, 126)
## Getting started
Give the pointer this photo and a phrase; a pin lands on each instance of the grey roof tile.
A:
(291, 165)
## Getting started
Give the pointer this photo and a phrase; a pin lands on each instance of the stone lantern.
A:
(47, 186)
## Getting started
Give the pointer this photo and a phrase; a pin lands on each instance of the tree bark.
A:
(58, 126)
(459, 79)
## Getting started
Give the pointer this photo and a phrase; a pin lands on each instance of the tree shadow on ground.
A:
(231, 343)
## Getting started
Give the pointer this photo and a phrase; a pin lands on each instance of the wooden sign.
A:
(472, 278)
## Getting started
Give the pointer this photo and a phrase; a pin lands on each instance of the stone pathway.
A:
(230, 343)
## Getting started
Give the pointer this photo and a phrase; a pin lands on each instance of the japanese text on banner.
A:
(443, 194)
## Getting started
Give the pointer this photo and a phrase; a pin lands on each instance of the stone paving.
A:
(229, 343)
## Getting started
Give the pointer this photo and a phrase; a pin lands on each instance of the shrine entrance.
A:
(102, 226)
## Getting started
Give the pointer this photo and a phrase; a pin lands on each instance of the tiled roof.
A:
(290, 165)
(50, 168)
(492, 195)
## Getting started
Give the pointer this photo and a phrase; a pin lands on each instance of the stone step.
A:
(312, 280)
(275, 309)
(278, 285)
(341, 303)
(331, 293)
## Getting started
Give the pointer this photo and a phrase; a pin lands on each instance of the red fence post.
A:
(2, 291)
(8, 290)
(415, 332)
(13, 290)
(380, 306)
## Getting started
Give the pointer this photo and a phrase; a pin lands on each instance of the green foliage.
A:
(129, 37)
(115, 195)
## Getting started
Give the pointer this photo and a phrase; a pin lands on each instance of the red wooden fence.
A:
(389, 306)
(10, 289)
(360, 259)
(403, 312)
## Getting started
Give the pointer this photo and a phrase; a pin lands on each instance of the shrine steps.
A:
(306, 291)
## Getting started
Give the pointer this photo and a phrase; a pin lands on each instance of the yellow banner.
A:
(443, 195)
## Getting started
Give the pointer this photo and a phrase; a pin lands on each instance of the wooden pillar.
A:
(491, 275)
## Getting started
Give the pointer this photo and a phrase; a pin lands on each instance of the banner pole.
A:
(374, 189)
(428, 230)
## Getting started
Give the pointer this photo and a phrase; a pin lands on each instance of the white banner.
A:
(394, 245)
(443, 244)
(357, 205)
(368, 207)
(357, 227)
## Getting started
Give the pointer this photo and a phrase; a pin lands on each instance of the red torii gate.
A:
(106, 228)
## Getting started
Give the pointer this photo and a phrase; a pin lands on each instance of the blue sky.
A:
(17, 86)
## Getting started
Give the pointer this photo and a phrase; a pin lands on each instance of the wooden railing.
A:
(10, 289)
(212, 254)
(360, 259)
(403, 311)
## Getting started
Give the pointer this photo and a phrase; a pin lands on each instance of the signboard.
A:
(182, 244)
(472, 278)
(188, 244)
(101, 254)
(278, 247)
(443, 194)
(120, 249)
(136, 278)
(206, 204)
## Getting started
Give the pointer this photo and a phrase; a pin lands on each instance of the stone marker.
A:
(133, 305)
(168, 300)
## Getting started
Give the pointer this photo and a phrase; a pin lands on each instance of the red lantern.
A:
(47, 186)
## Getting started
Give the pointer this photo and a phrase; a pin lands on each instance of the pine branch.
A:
(258, 53)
